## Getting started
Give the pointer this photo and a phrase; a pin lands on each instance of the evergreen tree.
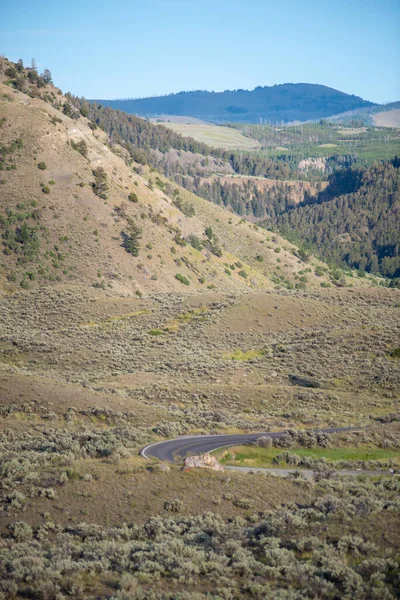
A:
(46, 76)
(100, 185)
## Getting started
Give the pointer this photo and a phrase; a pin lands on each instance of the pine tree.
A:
(131, 239)
(100, 185)
(46, 76)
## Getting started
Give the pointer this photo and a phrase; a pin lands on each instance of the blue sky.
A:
(126, 48)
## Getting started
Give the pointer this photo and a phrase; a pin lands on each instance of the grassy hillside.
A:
(73, 235)
(286, 102)
(217, 137)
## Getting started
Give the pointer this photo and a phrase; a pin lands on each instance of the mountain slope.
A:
(286, 102)
(358, 226)
(372, 115)
(57, 224)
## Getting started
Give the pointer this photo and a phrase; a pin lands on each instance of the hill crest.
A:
(281, 102)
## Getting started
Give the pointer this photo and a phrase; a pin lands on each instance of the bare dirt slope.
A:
(390, 118)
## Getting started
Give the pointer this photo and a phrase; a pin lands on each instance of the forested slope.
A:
(360, 228)
(286, 102)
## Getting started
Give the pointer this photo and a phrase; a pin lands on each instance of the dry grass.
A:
(215, 136)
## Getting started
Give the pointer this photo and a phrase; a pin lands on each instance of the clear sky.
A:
(130, 48)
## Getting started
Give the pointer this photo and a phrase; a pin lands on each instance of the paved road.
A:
(172, 450)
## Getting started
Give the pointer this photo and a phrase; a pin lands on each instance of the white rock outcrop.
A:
(202, 461)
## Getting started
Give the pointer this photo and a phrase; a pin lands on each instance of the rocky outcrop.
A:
(203, 461)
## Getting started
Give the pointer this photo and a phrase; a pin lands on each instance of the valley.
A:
(149, 291)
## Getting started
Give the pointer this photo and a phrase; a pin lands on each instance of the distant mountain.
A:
(286, 102)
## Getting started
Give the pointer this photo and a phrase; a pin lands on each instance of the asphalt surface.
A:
(179, 448)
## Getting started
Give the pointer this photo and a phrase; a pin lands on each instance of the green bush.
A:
(179, 240)
(186, 208)
(46, 189)
(242, 274)
(195, 242)
(42, 166)
(133, 197)
(80, 147)
(182, 279)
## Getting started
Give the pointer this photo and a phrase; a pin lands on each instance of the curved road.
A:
(172, 450)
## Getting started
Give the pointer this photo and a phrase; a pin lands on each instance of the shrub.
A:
(179, 240)
(21, 531)
(265, 442)
(133, 197)
(80, 147)
(11, 72)
(46, 189)
(42, 166)
(242, 503)
(173, 505)
(242, 274)
(182, 279)
(195, 242)
(185, 207)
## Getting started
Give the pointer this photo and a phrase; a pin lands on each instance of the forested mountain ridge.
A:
(359, 228)
(285, 102)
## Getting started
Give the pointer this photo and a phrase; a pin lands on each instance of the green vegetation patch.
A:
(264, 457)
(182, 279)
(243, 356)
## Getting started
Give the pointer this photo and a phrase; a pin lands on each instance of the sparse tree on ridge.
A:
(46, 76)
